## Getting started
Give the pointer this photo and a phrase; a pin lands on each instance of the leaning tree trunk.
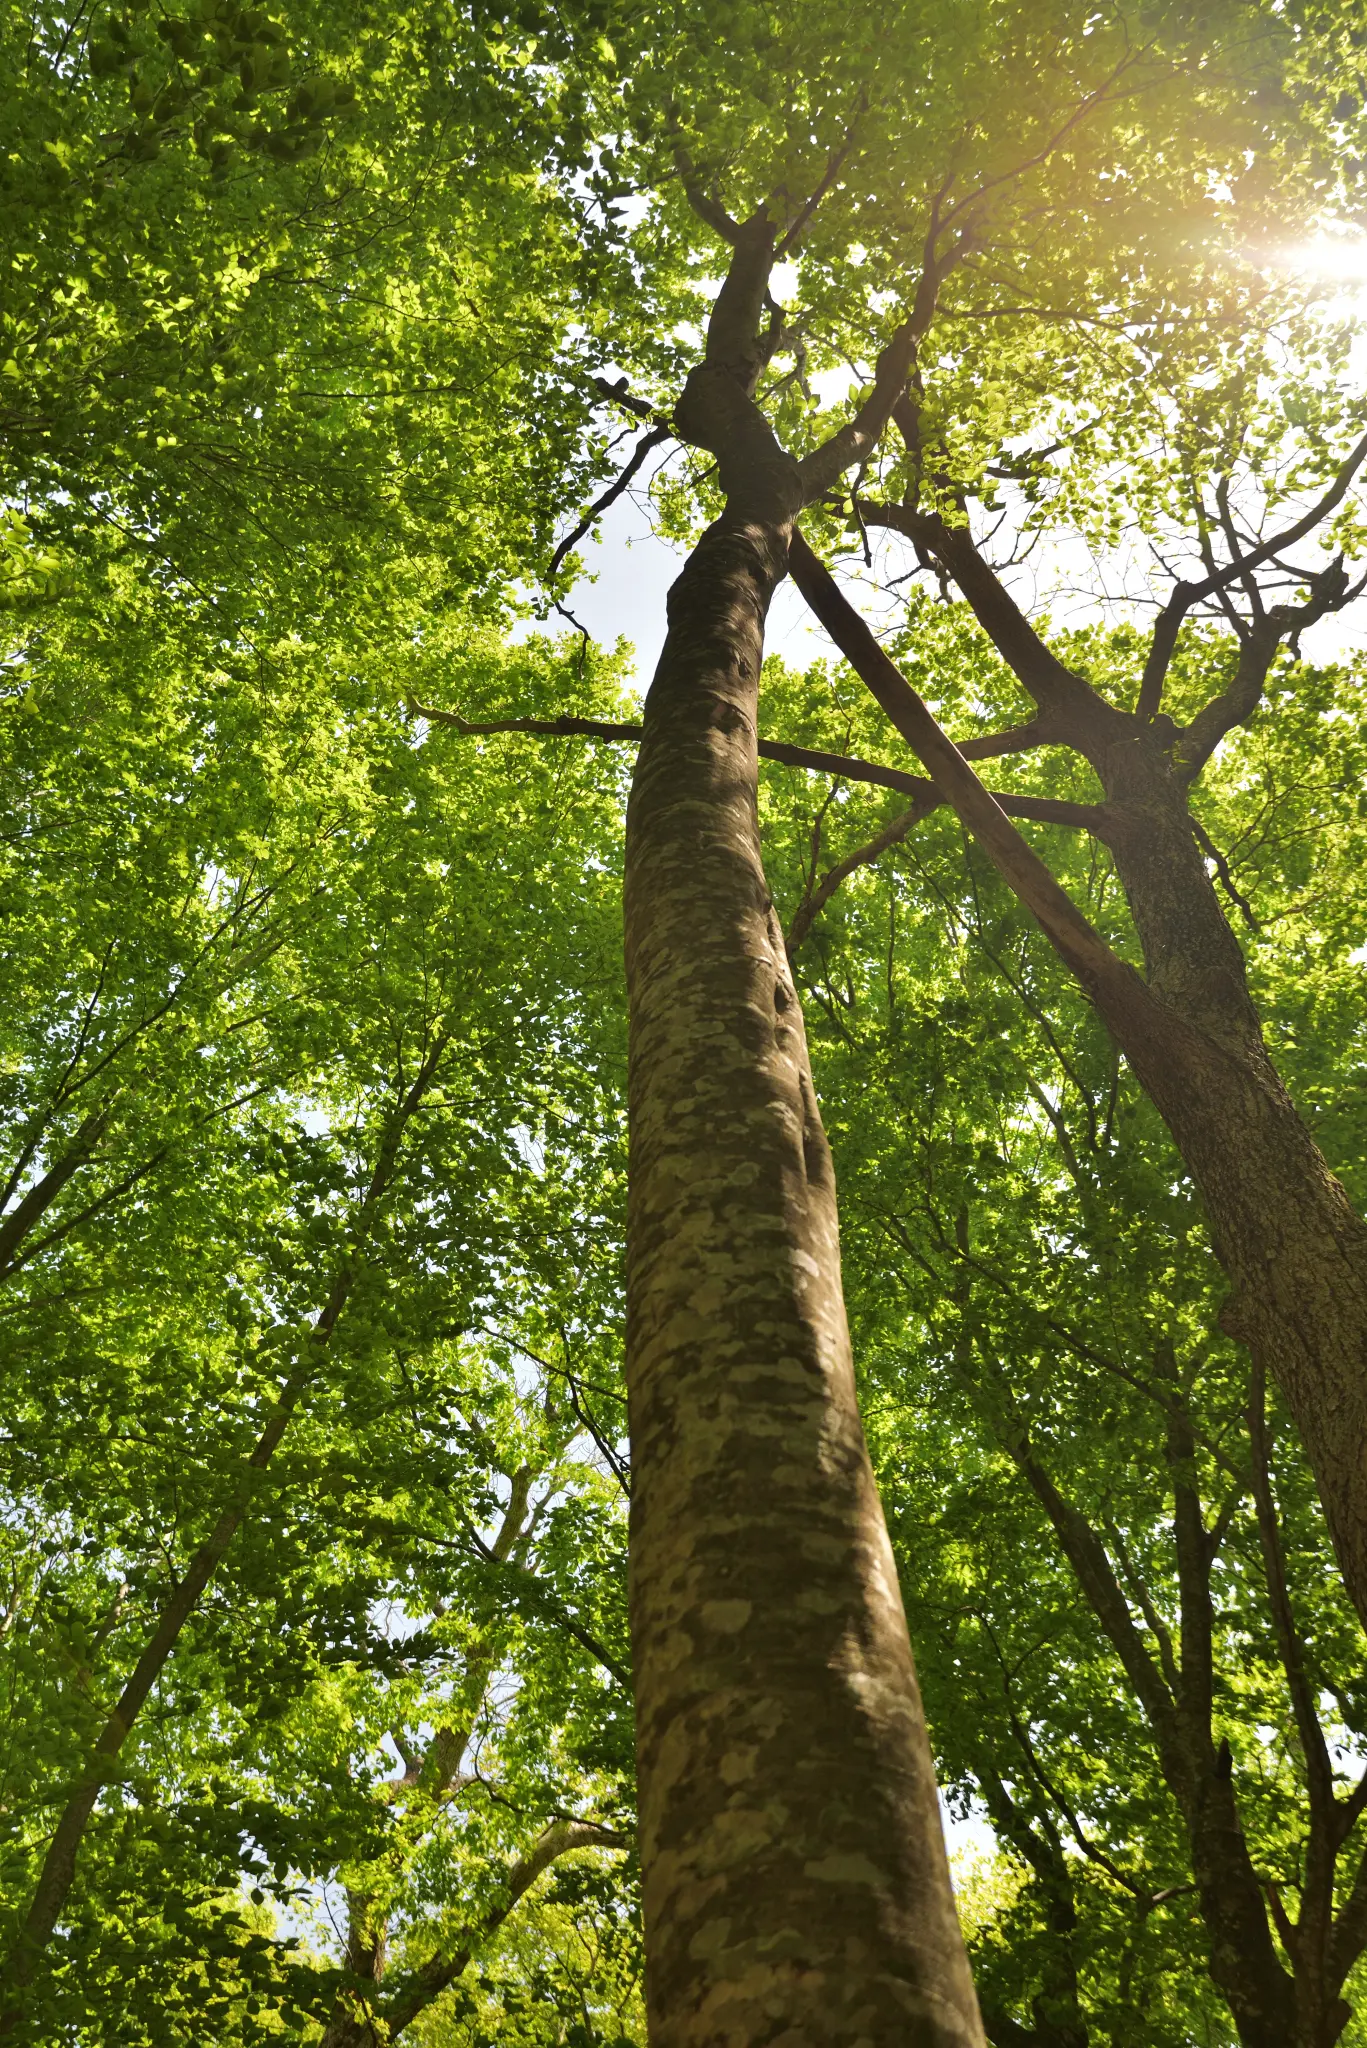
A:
(796, 1888)
(1282, 1225)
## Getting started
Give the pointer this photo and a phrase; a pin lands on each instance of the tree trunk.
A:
(796, 1886)
(1282, 1226)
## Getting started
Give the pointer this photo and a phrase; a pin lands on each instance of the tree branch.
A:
(834, 165)
(1257, 650)
(609, 497)
(812, 905)
(1319, 1770)
(1071, 711)
(1102, 973)
(857, 439)
(1092, 1568)
(434, 1976)
(1041, 810)
(705, 204)
(1221, 866)
(59, 1865)
(1185, 595)
(34, 1205)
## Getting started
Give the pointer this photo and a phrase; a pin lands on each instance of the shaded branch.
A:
(1330, 591)
(1101, 971)
(33, 1206)
(1319, 1770)
(858, 437)
(1071, 711)
(621, 394)
(1221, 866)
(834, 165)
(816, 899)
(1041, 810)
(59, 1865)
(704, 203)
(609, 497)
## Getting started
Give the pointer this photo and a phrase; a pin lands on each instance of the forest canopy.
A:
(488, 1560)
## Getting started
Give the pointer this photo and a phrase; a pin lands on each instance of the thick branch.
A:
(1102, 973)
(1017, 739)
(858, 437)
(733, 327)
(44, 1192)
(705, 204)
(1071, 711)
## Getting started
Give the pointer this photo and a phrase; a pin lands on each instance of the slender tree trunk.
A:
(796, 1887)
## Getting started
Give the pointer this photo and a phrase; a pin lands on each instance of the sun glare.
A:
(1340, 259)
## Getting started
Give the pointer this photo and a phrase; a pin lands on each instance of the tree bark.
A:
(1281, 1224)
(795, 1881)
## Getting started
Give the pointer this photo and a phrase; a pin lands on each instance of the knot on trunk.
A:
(727, 717)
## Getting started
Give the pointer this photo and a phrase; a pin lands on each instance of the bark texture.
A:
(796, 1887)
(1282, 1226)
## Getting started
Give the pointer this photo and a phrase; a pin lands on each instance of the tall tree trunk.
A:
(796, 1887)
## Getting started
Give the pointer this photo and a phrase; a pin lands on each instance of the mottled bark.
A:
(796, 1887)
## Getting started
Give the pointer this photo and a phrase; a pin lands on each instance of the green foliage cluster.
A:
(250, 919)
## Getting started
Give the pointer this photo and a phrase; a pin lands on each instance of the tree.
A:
(838, 160)
(272, 280)
(792, 1865)
(271, 1254)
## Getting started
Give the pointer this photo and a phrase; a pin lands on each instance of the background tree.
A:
(360, 1197)
(783, 1758)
